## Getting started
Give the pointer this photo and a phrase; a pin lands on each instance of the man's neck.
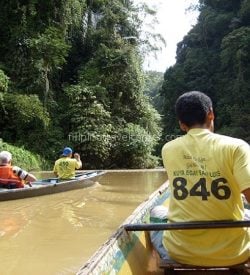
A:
(200, 126)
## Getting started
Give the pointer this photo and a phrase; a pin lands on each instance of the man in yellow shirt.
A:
(65, 166)
(207, 174)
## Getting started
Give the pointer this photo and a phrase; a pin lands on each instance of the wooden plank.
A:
(169, 264)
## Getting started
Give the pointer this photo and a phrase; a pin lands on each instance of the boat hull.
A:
(51, 186)
(128, 252)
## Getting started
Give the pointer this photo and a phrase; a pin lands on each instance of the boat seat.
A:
(170, 267)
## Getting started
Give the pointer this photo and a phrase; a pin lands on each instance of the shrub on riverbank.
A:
(24, 158)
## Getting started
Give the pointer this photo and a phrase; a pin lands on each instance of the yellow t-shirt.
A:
(207, 173)
(65, 167)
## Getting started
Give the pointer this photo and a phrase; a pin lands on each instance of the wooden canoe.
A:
(129, 250)
(51, 186)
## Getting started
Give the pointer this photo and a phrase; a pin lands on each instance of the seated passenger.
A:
(65, 166)
(12, 176)
(159, 214)
(207, 173)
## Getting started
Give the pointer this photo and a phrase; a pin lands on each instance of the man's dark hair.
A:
(192, 107)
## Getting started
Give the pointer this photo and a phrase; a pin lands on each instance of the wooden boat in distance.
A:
(129, 250)
(51, 186)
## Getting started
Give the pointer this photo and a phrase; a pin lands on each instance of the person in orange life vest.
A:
(12, 176)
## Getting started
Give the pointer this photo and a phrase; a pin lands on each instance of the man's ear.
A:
(210, 115)
(183, 127)
(210, 120)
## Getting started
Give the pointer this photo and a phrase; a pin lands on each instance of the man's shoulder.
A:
(173, 143)
(229, 141)
(62, 159)
(58, 160)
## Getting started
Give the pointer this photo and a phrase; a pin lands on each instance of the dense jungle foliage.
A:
(214, 57)
(71, 74)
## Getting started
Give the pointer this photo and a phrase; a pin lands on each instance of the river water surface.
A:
(56, 234)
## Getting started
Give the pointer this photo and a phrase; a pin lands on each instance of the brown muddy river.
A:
(56, 234)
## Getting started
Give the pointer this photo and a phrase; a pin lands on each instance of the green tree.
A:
(49, 51)
(112, 75)
(153, 83)
(235, 60)
(90, 125)
(21, 117)
(4, 81)
(135, 145)
(214, 58)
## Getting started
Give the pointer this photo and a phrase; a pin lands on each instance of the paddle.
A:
(186, 225)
